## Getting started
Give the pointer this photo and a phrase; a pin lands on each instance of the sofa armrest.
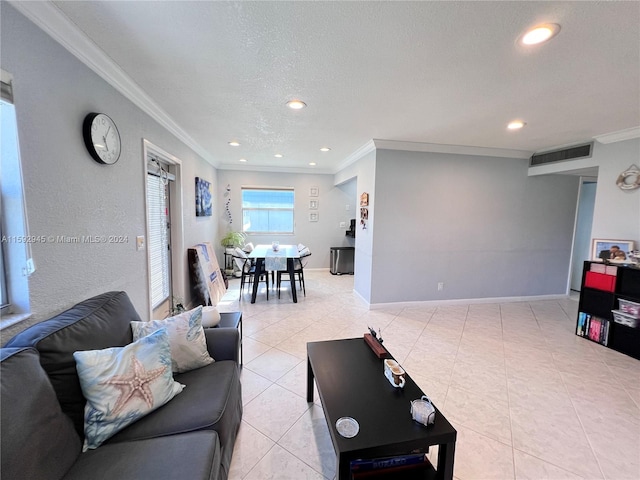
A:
(223, 343)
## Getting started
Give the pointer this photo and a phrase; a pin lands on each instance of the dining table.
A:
(274, 258)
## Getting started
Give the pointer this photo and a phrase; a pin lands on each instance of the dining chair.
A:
(298, 269)
(248, 270)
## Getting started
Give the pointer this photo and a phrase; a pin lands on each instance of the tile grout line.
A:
(555, 360)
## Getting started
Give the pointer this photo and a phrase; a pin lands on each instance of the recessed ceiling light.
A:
(278, 155)
(516, 125)
(325, 149)
(540, 34)
(243, 160)
(313, 164)
(234, 144)
(296, 104)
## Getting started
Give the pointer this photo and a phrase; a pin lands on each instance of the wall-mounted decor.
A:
(364, 199)
(629, 179)
(227, 204)
(611, 250)
(313, 216)
(313, 204)
(364, 217)
(101, 137)
(203, 198)
(314, 191)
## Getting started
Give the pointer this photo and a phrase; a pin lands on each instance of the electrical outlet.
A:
(343, 225)
(140, 242)
(440, 286)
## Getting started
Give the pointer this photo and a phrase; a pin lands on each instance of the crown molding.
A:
(619, 136)
(357, 155)
(58, 26)
(453, 149)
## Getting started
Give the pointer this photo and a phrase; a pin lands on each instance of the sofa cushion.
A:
(38, 441)
(99, 322)
(186, 337)
(123, 384)
(193, 456)
(211, 400)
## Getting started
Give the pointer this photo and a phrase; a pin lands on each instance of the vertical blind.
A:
(158, 242)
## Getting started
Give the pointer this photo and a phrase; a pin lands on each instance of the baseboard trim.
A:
(464, 301)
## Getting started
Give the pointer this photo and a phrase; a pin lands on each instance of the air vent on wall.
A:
(578, 151)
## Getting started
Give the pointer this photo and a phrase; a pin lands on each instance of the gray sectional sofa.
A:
(192, 436)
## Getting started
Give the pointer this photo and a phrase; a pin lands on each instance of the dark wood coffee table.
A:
(351, 383)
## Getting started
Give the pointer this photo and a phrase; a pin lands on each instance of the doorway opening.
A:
(582, 236)
(163, 195)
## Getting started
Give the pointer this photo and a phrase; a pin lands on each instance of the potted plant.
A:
(230, 241)
(233, 240)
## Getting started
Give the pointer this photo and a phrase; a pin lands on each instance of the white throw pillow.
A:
(210, 317)
(123, 384)
(186, 337)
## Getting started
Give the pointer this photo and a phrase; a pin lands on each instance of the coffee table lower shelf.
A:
(428, 472)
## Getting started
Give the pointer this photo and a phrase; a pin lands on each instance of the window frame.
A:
(268, 209)
(17, 257)
(164, 258)
(5, 300)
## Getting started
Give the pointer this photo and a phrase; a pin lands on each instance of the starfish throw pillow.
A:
(186, 338)
(123, 384)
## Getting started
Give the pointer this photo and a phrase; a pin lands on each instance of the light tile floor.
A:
(529, 399)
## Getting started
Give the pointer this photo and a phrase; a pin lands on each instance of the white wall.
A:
(364, 171)
(617, 212)
(318, 236)
(478, 224)
(67, 192)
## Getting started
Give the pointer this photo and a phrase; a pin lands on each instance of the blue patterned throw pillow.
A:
(186, 337)
(123, 384)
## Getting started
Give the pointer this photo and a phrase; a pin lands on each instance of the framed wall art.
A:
(616, 250)
(314, 191)
(203, 198)
(364, 199)
(313, 204)
(313, 216)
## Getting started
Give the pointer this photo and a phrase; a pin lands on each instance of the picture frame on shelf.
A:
(313, 204)
(313, 216)
(601, 249)
(314, 191)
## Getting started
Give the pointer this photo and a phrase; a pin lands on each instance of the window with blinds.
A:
(16, 260)
(158, 241)
(267, 210)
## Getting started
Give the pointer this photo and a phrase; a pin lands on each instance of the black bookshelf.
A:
(595, 320)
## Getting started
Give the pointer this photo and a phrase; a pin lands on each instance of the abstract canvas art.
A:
(203, 198)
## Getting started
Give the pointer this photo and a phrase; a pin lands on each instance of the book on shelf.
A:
(367, 468)
(594, 328)
(582, 320)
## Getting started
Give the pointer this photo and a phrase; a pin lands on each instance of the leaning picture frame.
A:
(611, 250)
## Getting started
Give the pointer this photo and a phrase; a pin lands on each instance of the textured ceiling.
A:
(435, 72)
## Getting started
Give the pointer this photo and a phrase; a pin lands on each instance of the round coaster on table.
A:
(347, 427)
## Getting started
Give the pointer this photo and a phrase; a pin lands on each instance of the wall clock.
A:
(101, 138)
